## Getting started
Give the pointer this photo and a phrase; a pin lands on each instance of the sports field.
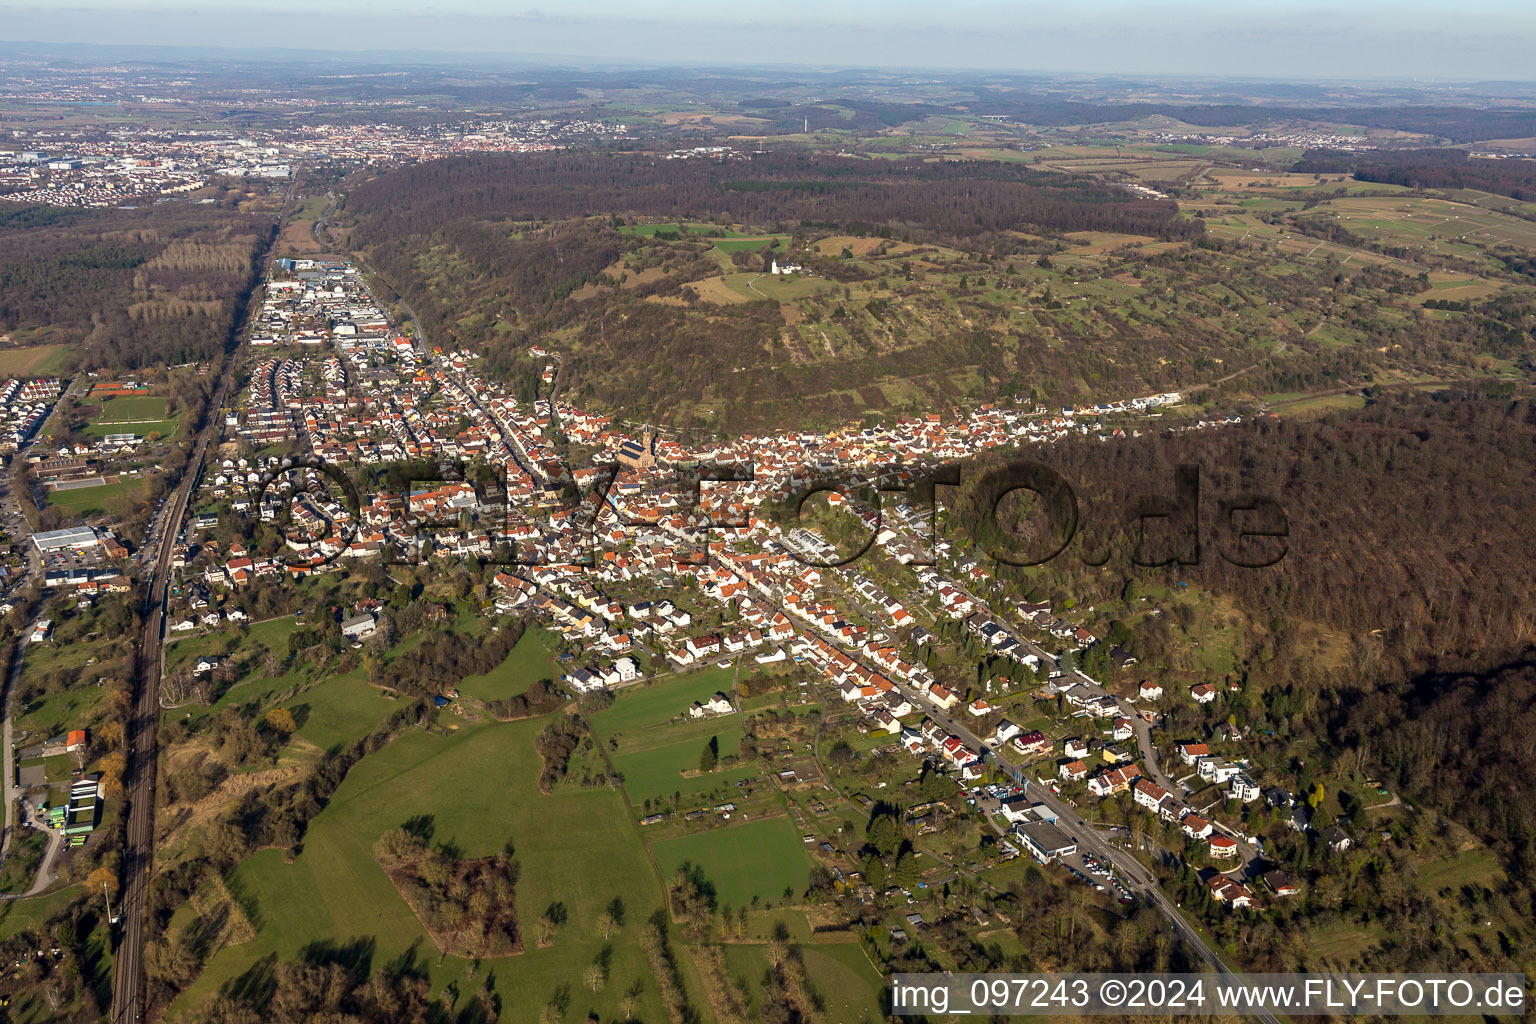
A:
(127, 409)
(755, 858)
(133, 415)
(94, 501)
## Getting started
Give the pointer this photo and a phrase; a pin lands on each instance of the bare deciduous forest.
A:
(127, 288)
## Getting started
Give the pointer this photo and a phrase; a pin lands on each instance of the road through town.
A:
(1131, 871)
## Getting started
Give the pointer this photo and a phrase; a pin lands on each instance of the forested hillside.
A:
(1462, 743)
(1398, 628)
(1405, 522)
(923, 285)
(496, 252)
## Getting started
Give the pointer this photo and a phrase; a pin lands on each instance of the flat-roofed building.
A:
(1045, 841)
(77, 537)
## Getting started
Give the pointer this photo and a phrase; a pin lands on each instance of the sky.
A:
(1398, 39)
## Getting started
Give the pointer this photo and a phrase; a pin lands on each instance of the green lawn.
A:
(1338, 944)
(18, 914)
(73, 708)
(93, 501)
(1477, 866)
(331, 709)
(143, 428)
(576, 846)
(650, 704)
(780, 289)
(271, 634)
(757, 858)
(780, 243)
(340, 709)
(690, 228)
(311, 208)
(654, 773)
(650, 230)
(34, 361)
(127, 409)
(657, 742)
(256, 688)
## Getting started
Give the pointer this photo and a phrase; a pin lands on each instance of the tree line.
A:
(1426, 168)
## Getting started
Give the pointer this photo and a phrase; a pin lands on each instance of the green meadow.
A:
(531, 659)
(841, 974)
(752, 859)
(577, 847)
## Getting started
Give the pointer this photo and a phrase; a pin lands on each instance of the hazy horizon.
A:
(1488, 40)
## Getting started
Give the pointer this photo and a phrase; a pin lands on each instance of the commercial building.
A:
(1045, 841)
(74, 537)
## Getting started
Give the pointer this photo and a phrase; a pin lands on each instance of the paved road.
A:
(1136, 876)
(45, 873)
(1149, 758)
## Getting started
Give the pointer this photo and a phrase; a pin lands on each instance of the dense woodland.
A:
(1427, 168)
(128, 288)
(465, 904)
(441, 660)
(909, 197)
(338, 982)
(1461, 742)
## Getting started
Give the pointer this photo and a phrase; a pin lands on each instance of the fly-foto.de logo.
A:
(1020, 513)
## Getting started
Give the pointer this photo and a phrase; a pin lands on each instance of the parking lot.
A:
(87, 558)
(1083, 867)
